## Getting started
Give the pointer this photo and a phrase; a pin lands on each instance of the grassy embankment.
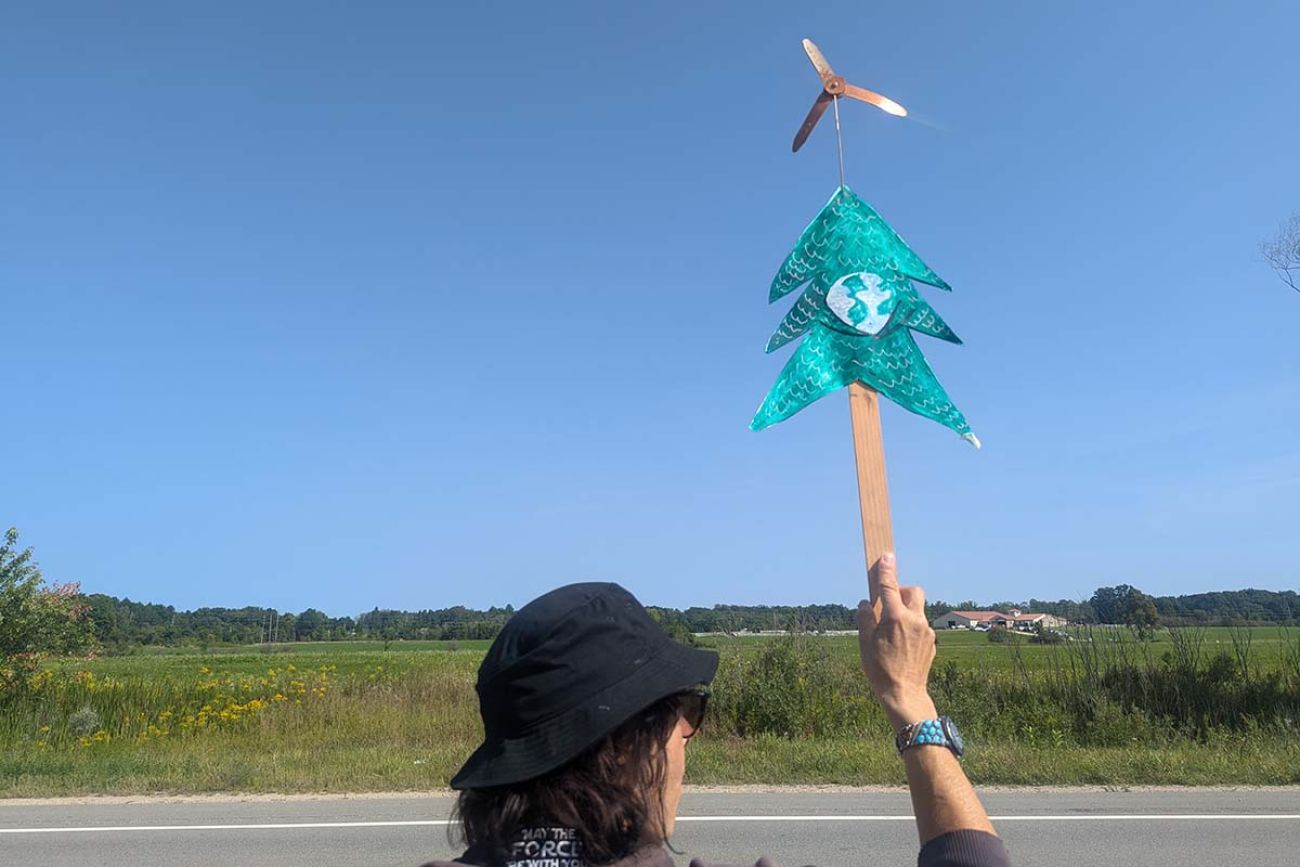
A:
(1192, 707)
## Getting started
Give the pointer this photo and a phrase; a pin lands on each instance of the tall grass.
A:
(1103, 688)
(1102, 708)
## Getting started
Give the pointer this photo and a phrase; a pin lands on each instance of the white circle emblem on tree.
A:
(859, 302)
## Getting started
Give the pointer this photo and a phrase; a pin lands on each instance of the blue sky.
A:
(426, 304)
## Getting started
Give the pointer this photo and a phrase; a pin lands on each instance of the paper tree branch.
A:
(856, 317)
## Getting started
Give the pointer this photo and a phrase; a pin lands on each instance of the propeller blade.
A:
(883, 103)
(814, 114)
(818, 61)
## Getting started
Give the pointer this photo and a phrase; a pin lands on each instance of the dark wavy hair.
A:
(610, 795)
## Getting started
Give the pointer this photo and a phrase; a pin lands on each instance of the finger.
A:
(867, 616)
(913, 598)
(883, 579)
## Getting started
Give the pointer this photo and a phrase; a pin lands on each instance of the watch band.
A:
(926, 731)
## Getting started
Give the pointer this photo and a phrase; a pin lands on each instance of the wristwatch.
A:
(940, 732)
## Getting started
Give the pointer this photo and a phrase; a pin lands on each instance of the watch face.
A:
(954, 736)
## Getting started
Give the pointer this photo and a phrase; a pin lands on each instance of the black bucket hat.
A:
(567, 669)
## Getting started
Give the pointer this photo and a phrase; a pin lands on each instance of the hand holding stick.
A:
(897, 645)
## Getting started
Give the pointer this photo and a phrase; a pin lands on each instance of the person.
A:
(588, 707)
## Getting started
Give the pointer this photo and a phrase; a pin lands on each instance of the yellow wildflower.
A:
(98, 737)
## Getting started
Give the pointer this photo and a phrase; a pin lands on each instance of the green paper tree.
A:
(856, 317)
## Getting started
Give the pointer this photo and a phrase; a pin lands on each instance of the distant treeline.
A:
(122, 623)
(1116, 604)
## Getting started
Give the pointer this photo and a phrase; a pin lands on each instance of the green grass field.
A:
(1102, 709)
(965, 646)
(479, 645)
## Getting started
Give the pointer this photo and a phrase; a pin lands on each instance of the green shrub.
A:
(793, 687)
(83, 722)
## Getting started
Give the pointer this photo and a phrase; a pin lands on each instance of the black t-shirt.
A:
(558, 847)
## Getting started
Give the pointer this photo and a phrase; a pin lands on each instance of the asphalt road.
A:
(1063, 828)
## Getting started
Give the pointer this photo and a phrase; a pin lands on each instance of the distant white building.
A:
(1015, 619)
(1029, 622)
(968, 619)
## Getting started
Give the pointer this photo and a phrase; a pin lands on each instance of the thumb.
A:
(868, 617)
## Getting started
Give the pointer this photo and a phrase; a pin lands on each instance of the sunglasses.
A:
(691, 707)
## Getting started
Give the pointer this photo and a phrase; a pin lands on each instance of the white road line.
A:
(281, 826)
(270, 826)
(1079, 817)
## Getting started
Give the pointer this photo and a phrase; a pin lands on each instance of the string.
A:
(839, 141)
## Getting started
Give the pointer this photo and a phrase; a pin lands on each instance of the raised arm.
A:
(898, 647)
